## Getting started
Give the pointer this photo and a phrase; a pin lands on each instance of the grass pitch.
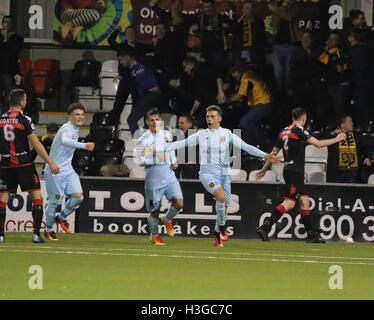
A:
(89, 266)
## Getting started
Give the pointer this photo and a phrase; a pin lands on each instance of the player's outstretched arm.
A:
(68, 141)
(260, 174)
(191, 141)
(239, 143)
(327, 142)
(40, 150)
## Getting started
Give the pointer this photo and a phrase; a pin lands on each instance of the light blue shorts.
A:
(212, 183)
(60, 186)
(153, 198)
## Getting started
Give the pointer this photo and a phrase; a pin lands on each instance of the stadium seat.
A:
(46, 78)
(130, 162)
(170, 120)
(371, 179)
(109, 70)
(311, 168)
(99, 133)
(25, 68)
(101, 118)
(239, 175)
(137, 172)
(314, 154)
(86, 73)
(317, 177)
(270, 176)
(130, 148)
(277, 168)
(116, 146)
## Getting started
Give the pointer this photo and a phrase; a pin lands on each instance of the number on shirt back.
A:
(9, 134)
(285, 142)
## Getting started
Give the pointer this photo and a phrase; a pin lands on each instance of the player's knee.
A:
(178, 204)
(74, 203)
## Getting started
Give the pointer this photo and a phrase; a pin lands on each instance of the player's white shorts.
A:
(58, 186)
(153, 198)
(212, 183)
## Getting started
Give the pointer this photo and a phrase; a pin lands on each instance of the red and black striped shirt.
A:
(15, 127)
(293, 140)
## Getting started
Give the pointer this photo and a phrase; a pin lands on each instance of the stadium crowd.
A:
(329, 77)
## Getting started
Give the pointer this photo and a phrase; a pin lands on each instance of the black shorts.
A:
(25, 176)
(294, 185)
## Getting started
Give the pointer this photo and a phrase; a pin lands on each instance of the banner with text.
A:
(118, 207)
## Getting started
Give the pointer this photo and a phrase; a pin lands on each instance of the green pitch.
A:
(89, 266)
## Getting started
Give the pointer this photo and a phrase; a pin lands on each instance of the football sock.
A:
(71, 205)
(37, 214)
(275, 216)
(2, 217)
(221, 213)
(306, 219)
(153, 225)
(171, 213)
(50, 212)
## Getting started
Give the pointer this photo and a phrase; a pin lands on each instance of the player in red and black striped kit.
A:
(293, 140)
(16, 131)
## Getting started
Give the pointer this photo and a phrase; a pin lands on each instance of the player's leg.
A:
(9, 185)
(213, 186)
(226, 185)
(313, 234)
(29, 182)
(54, 185)
(153, 204)
(74, 192)
(4, 197)
(173, 193)
(292, 195)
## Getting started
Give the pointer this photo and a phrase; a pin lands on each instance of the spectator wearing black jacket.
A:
(347, 159)
(10, 47)
(359, 66)
(126, 84)
(303, 78)
(178, 24)
(335, 77)
(250, 38)
(212, 27)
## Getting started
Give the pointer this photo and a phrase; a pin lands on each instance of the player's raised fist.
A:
(90, 146)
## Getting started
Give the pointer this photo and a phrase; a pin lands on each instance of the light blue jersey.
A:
(159, 172)
(160, 179)
(63, 147)
(214, 147)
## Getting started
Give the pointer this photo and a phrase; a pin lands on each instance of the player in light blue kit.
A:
(67, 182)
(160, 179)
(215, 145)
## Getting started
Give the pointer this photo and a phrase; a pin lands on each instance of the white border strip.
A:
(145, 215)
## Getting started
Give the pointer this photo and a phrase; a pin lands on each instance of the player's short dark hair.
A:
(152, 112)
(75, 106)
(297, 113)
(16, 96)
(188, 117)
(215, 108)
